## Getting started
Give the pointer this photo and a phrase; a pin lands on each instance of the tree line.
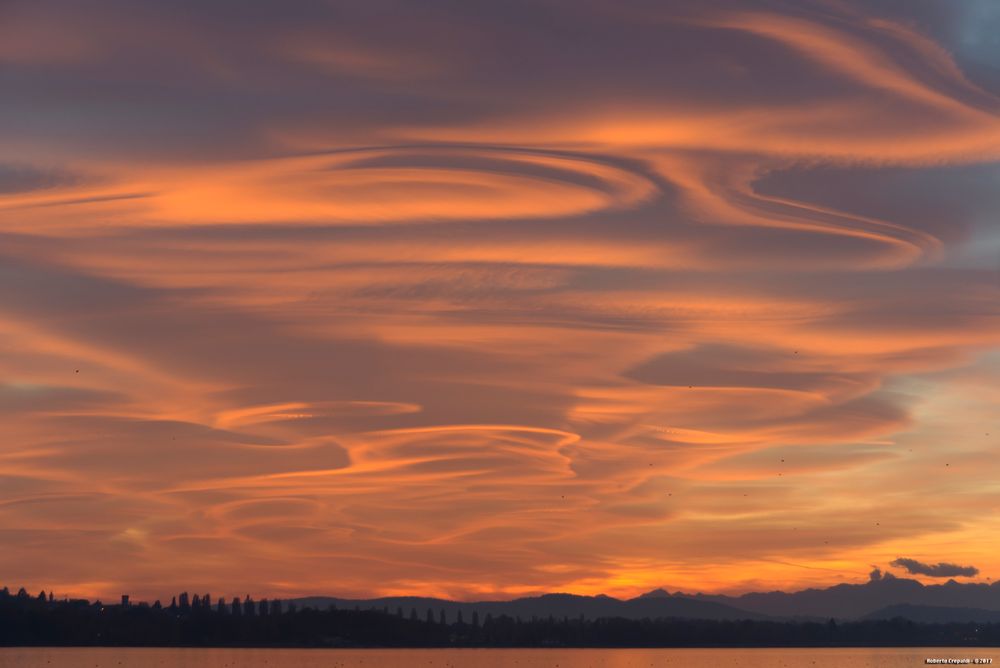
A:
(201, 621)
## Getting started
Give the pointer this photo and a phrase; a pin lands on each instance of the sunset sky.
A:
(487, 299)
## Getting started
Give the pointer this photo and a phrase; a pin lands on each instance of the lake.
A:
(102, 657)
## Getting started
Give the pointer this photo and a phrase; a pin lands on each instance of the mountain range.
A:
(854, 601)
(555, 605)
(884, 596)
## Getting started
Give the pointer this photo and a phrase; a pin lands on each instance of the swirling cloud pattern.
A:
(492, 299)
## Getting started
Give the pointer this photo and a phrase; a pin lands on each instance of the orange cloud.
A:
(287, 312)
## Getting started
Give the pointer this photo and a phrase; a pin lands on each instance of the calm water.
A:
(477, 658)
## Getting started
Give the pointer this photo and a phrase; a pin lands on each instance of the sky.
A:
(482, 300)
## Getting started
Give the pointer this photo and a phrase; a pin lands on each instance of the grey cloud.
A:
(941, 570)
(727, 366)
(26, 397)
(26, 178)
(230, 79)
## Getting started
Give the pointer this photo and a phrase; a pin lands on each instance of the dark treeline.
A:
(200, 621)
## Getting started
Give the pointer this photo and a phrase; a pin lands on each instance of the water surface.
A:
(102, 657)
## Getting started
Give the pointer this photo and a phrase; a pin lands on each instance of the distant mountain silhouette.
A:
(559, 606)
(656, 593)
(853, 601)
(930, 614)
(883, 595)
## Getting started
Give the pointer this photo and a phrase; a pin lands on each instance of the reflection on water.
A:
(478, 658)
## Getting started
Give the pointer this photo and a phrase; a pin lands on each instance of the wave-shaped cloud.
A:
(696, 294)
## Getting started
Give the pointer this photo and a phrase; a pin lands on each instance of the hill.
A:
(883, 592)
(854, 601)
(559, 606)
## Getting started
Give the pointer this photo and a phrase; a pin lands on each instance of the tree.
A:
(413, 614)
(399, 611)
(442, 619)
(430, 616)
(276, 606)
(221, 607)
(475, 619)
(236, 607)
(459, 620)
(248, 606)
(262, 608)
